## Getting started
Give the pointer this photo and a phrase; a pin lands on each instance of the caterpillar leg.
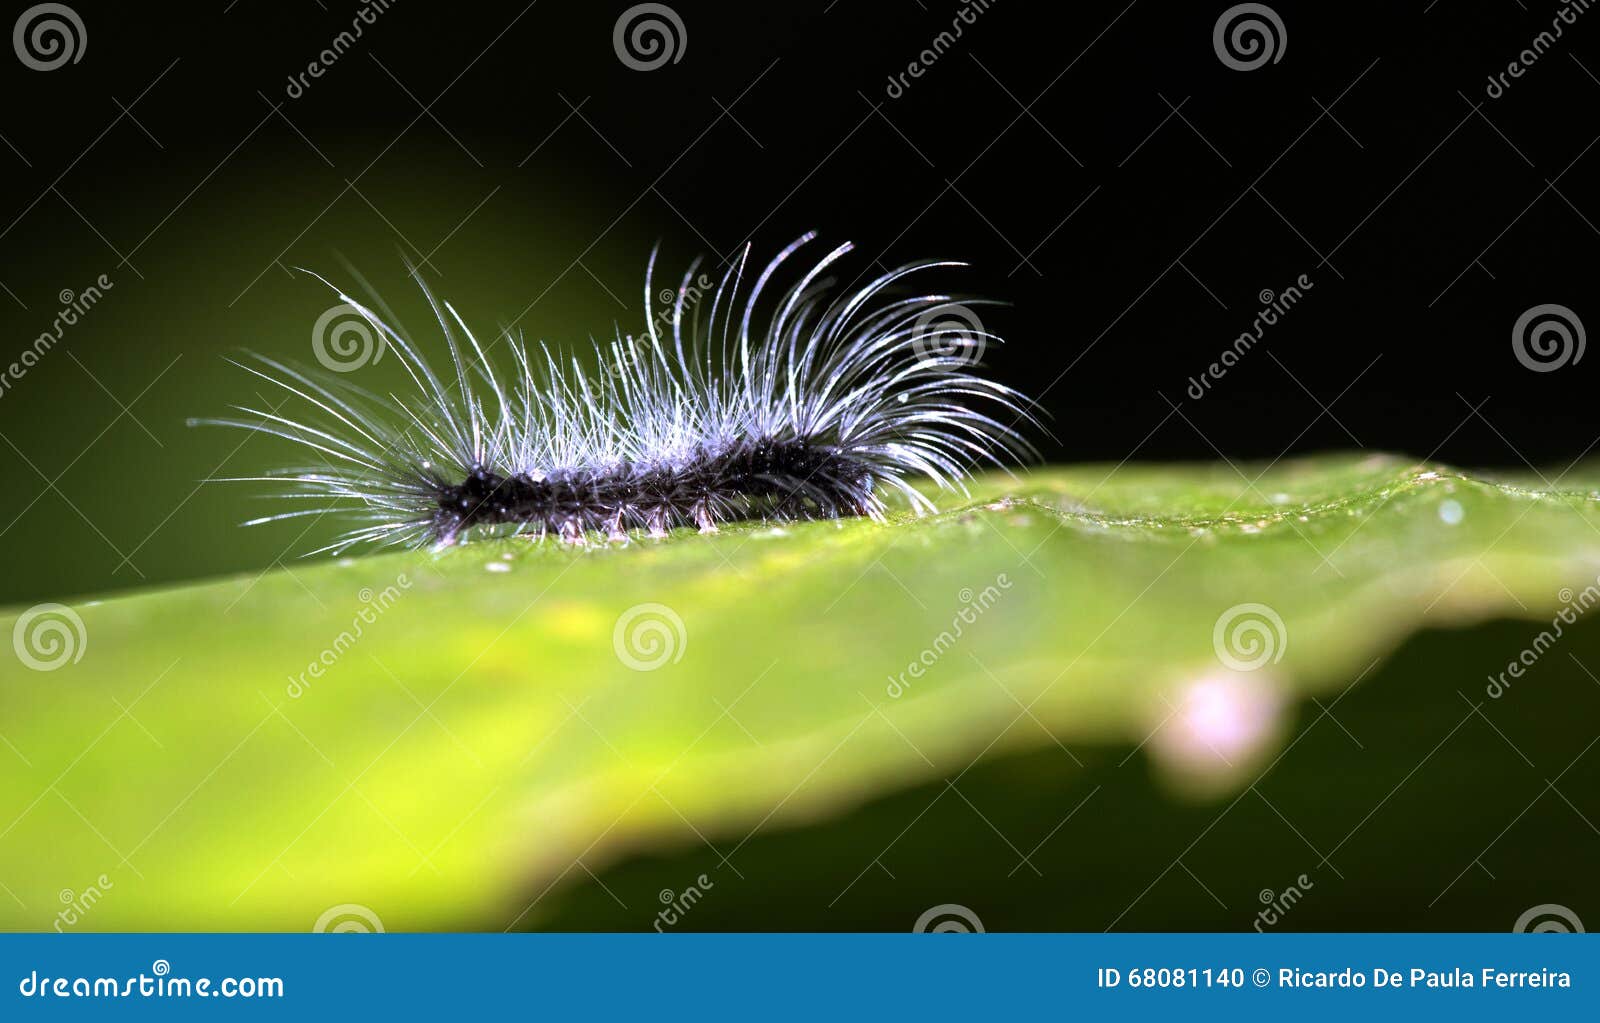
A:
(614, 531)
(656, 523)
(703, 519)
(572, 533)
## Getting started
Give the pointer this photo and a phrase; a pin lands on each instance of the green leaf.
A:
(489, 722)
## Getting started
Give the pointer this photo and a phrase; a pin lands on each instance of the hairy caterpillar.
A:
(829, 406)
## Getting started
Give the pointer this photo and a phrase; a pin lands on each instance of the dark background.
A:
(1098, 163)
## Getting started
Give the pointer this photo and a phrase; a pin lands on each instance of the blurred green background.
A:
(106, 489)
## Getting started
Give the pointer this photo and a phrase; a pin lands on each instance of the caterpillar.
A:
(832, 405)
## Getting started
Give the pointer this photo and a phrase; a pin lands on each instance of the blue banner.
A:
(795, 976)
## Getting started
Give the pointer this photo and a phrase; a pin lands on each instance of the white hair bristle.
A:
(820, 414)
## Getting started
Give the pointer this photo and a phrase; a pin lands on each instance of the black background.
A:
(1101, 167)
(1428, 215)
